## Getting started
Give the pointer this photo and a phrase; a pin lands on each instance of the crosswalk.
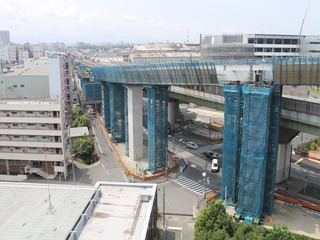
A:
(191, 185)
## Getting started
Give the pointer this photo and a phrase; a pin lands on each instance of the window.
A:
(314, 42)
(278, 41)
(13, 112)
(29, 112)
(43, 125)
(31, 136)
(42, 113)
(16, 137)
(269, 41)
(22, 85)
(44, 137)
(15, 124)
(15, 86)
(250, 40)
(17, 148)
(30, 124)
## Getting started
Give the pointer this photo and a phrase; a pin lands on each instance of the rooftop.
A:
(79, 132)
(28, 72)
(26, 212)
(50, 211)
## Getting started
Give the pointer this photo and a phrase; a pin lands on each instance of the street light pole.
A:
(204, 179)
(73, 174)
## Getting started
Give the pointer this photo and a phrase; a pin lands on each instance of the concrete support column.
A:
(135, 130)
(283, 164)
(173, 111)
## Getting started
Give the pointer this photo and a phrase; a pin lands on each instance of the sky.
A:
(143, 21)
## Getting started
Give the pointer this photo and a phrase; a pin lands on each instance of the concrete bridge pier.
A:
(283, 164)
(173, 111)
(135, 131)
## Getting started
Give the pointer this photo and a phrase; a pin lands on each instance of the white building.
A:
(25, 83)
(32, 137)
(38, 50)
(250, 46)
(108, 210)
(4, 36)
(60, 76)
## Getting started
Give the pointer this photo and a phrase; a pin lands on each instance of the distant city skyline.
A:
(143, 21)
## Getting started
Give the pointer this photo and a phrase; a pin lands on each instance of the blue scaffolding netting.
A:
(231, 146)
(191, 73)
(106, 104)
(157, 126)
(272, 155)
(91, 90)
(117, 112)
(254, 145)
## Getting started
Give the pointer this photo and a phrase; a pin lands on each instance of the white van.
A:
(215, 166)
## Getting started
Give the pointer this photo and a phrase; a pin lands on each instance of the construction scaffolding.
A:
(158, 97)
(272, 155)
(231, 146)
(254, 146)
(190, 73)
(117, 112)
(297, 71)
(106, 104)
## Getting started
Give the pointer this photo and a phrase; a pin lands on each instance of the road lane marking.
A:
(103, 166)
(97, 140)
(296, 163)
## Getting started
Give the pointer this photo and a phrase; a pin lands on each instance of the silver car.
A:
(192, 145)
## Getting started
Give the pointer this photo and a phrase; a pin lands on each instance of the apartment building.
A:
(32, 137)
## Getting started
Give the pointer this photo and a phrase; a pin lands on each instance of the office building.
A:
(258, 46)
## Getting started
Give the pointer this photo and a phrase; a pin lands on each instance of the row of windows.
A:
(273, 41)
(276, 50)
(29, 112)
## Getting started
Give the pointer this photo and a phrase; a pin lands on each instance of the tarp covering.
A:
(231, 146)
(254, 146)
(190, 73)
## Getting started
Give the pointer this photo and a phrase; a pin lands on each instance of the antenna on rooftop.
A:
(304, 18)
(51, 207)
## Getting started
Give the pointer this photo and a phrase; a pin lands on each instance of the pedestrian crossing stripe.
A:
(191, 185)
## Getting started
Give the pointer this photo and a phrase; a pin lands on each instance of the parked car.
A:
(215, 166)
(211, 154)
(192, 145)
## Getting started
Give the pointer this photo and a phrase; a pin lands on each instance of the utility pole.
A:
(204, 179)
(163, 206)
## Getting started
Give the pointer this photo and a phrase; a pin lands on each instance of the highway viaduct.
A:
(122, 112)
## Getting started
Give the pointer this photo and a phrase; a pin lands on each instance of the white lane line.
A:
(97, 140)
(103, 166)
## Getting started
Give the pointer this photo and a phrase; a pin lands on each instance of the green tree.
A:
(213, 218)
(280, 232)
(76, 112)
(248, 231)
(85, 148)
(313, 146)
(83, 121)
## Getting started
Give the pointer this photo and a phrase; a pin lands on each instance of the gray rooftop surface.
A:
(122, 212)
(25, 211)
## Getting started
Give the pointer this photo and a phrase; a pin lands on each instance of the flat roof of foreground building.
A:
(108, 210)
(41, 211)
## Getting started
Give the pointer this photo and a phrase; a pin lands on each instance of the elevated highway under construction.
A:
(252, 92)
